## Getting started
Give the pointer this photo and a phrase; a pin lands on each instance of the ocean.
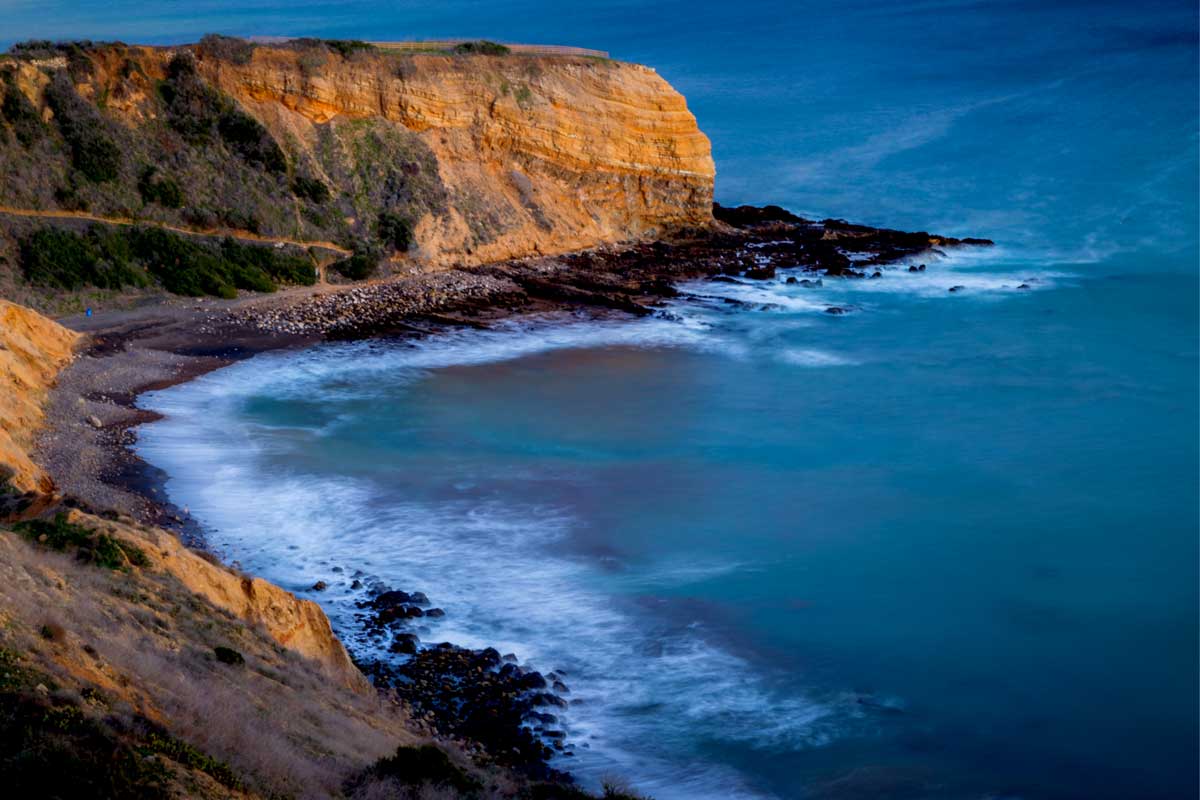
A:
(942, 546)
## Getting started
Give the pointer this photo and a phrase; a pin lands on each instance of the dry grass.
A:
(144, 644)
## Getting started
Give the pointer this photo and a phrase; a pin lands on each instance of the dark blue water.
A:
(945, 546)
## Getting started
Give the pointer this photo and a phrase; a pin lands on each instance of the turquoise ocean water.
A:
(944, 546)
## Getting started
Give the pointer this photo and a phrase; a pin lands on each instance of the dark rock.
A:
(750, 216)
(912, 268)
(435, 612)
(957, 288)
(791, 279)
(547, 699)
(920, 268)
(837, 310)
(404, 646)
(356, 584)
(320, 586)
(532, 680)
(391, 598)
(419, 598)
(876, 274)
(1023, 286)
(761, 273)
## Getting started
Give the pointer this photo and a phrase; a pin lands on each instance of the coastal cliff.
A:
(542, 155)
(32, 351)
(426, 159)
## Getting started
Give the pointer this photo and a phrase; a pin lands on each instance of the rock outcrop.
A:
(551, 154)
(484, 158)
(32, 351)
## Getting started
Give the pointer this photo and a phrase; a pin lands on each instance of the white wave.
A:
(492, 565)
(498, 569)
(805, 357)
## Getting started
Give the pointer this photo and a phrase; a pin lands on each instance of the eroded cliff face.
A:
(485, 157)
(32, 351)
(299, 625)
(538, 155)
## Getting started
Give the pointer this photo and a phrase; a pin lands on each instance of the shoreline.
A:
(86, 445)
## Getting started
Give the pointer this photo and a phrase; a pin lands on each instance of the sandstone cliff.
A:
(544, 155)
(32, 351)
(299, 625)
(482, 157)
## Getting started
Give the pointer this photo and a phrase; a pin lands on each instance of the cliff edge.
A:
(434, 158)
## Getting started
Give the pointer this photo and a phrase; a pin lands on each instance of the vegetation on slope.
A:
(190, 156)
(114, 258)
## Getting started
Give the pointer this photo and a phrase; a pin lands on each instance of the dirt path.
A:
(243, 235)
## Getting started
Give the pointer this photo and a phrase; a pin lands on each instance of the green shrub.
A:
(58, 751)
(34, 48)
(62, 259)
(281, 266)
(163, 191)
(248, 138)
(415, 766)
(310, 188)
(394, 230)
(482, 47)
(93, 152)
(99, 548)
(112, 258)
(347, 47)
(185, 754)
(188, 268)
(226, 48)
(357, 267)
(20, 113)
(193, 107)
(201, 114)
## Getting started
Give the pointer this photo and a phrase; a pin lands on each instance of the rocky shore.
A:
(489, 706)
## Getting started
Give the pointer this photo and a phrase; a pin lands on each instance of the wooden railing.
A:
(524, 49)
